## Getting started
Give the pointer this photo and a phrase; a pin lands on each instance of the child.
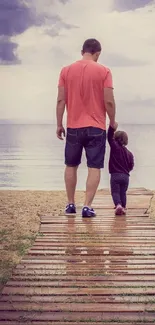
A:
(121, 162)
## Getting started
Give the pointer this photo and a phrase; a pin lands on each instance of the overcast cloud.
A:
(38, 37)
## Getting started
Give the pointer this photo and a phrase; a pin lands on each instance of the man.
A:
(86, 89)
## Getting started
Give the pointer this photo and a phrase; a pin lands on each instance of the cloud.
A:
(8, 51)
(57, 27)
(126, 5)
(16, 16)
(118, 60)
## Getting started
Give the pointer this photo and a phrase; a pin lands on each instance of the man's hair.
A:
(121, 137)
(91, 46)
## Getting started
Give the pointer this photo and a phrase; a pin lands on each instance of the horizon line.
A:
(45, 122)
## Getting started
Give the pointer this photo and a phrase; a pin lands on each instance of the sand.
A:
(20, 220)
(151, 210)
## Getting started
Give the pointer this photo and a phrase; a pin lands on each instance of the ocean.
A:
(32, 158)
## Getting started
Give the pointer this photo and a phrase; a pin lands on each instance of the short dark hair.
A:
(121, 137)
(91, 46)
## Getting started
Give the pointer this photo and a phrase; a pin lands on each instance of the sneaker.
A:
(70, 209)
(124, 211)
(88, 213)
(119, 210)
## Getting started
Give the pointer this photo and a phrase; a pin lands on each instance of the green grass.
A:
(27, 237)
(5, 271)
(20, 247)
(4, 235)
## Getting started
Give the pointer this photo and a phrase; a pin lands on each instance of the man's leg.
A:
(93, 181)
(73, 153)
(70, 182)
(94, 145)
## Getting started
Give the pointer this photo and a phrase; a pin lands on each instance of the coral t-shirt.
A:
(84, 82)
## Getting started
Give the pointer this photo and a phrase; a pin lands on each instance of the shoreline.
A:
(20, 213)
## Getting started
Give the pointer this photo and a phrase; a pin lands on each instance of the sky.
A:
(39, 37)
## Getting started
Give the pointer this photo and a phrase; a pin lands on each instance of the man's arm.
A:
(109, 100)
(60, 108)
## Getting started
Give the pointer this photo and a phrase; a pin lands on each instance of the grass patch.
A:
(4, 235)
(5, 271)
(12, 253)
(40, 234)
(28, 237)
(20, 248)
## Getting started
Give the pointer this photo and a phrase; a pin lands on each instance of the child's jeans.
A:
(119, 185)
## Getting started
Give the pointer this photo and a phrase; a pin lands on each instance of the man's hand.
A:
(114, 125)
(60, 132)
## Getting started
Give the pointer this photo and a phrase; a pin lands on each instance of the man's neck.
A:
(88, 56)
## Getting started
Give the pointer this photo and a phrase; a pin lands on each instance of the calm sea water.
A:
(31, 157)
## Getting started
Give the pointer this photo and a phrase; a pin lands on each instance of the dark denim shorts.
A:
(92, 139)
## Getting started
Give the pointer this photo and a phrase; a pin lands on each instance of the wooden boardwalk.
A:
(87, 271)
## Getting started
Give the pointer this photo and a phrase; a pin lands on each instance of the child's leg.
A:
(115, 189)
(123, 189)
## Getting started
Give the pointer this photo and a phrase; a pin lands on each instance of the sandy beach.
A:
(20, 219)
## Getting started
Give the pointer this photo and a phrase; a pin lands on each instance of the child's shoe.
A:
(123, 211)
(119, 210)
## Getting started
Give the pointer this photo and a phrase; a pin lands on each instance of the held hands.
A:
(114, 125)
(60, 132)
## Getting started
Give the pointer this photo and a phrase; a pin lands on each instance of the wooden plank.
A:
(94, 228)
(106, 251)
(79, 299)
(92, 238)
(86, 284)
(68, 316)
(90, 261)
(76, 307)
(102, 215)
(77, 291)
(70, 323)
(91, 245)
(84, 231)
(32, 322)
(83, 278)
(87, 272)
(70, 258)
(85, 267)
